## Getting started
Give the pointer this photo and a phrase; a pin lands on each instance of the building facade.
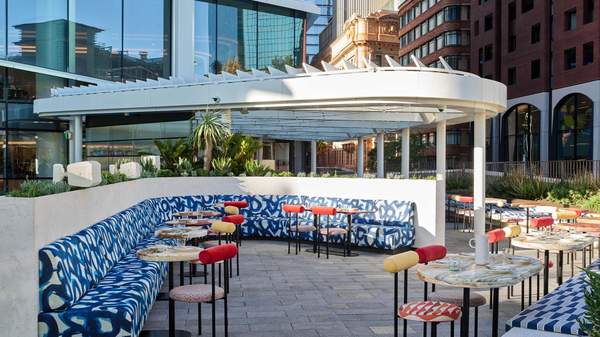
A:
(546, 53)
(312, 34)
(369, 37)
(47, 44)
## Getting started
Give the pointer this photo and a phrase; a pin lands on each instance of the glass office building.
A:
(312, 34)
(119, 40)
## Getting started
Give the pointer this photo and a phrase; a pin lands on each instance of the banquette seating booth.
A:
(91, 283)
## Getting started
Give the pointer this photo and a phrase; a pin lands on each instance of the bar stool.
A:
(428, 254)
(511, 231)
(494, 238)
(421, 311)
(209, 293)
(328, 231)
(293, 211)
(238, 220)
(465, 209)
(220, 228)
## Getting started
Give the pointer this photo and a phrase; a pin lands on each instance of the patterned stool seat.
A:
(334, 231)
(430, 311)
(196, 293)
(303, 228)
(456, 297)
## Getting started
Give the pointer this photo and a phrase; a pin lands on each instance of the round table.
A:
(190, 222)
(553, 241)
(197, 214)
(163, 253)
(591, 228)
(460, 271)
(350, 212)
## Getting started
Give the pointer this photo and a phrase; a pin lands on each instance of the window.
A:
(488, 52)
(512, 75)
(489, 22)
(512, 43)
(526, 5)
(535, 33)
(588, 11)
(588, 53)
(573, 136)
(570, 58)
(535, 69)
(476, 28)
(521, 133)
(512, 11)
(571, 19)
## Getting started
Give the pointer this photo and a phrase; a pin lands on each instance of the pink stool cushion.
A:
(238, 204)
(196, 293)
(303, 228)
(430, 311)
(541, 222)
(293, 208)
(431, 253)
(334, 231)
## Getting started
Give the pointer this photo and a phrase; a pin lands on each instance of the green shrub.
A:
(285, 174)
(518, 186)
(148, 169)
(38, 188)
(109, 178)
(221, 166)
(591, 202)
(184, 167)
(165, 173)
(459, 182)
(253, 168)
(590, 322)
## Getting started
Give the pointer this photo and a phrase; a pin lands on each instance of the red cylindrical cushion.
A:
(237, 219)
(218, 253)
(293, 208)
(465, 199)
(496, 235)
(431, 253)
(238, 204)
(541, 222)
(320, 210)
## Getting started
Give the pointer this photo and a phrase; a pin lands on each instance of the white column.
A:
(545, 113)
(77, 139)
(313, 156)
(496, 124)
(71, 142)
(440, 186)
(479, 176)
(360, 157)
(259, 153)
(182, 62)
(380, 155)
(406, 153)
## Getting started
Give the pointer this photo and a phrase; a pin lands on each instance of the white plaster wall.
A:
(29, 224)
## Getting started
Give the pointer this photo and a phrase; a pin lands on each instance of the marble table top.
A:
(190, 222)
(181, 233)
(163, 253)
(197, 214)
(579, 227)
(557, 241)
(460, 271)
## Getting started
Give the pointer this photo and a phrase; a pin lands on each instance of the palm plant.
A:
(170, 152)
(210, 131)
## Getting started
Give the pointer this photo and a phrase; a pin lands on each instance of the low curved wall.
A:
(29, 224)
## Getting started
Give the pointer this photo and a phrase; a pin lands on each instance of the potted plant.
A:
(590, 323)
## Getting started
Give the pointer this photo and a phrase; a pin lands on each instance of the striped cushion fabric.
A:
(430, 311)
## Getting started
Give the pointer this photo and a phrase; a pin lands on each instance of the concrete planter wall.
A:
(28, 224)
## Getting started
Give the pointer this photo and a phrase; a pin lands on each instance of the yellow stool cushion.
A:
(223, 227)
(232, 210)
(400, 262)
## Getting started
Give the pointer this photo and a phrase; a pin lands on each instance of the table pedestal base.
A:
(165, 333)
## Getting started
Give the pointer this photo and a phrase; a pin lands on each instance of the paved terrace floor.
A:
(280, 295)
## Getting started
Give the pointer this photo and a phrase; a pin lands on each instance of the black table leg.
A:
(527, 221)
(171, 303)
(546, 270)
(349, 253)
(464, 321)
(496, 303)
(559, 268)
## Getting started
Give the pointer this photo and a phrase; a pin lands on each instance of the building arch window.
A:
(573, 120)
(521, 133)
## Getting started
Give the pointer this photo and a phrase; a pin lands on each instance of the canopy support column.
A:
(360, 162)
(406, 153)
(71, 142)
(77, 138)
(380, 155)
(479, 178)
(313, 157)
(440, 186)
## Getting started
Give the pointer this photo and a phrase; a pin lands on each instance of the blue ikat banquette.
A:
(92, 284)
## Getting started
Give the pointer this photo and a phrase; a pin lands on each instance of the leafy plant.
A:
(210, 131)
(38, 188)
(148, 169)
(591, 203)
(590, 323)
(165, 173)
(459, 182)
(171, 151)
(255, 169)
(109, 178)
(285, 174)
(221, 166)
(184, 167)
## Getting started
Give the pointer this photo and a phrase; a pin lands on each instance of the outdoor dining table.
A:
(169, 254)
(553, 241)
(190, 222)
(592, 229)
(527, 208)
(197, 214)
(461, 271)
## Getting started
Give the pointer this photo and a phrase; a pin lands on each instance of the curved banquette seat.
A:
(92, 284)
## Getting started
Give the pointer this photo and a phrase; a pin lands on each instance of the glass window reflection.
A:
(574, 119)
(32, 154)
(236, 40)
(205, 41)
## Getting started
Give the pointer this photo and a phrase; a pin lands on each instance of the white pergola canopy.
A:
(300, 104)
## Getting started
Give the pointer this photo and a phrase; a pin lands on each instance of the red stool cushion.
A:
(238, 204)
(429, 311)
(431, 253)
(496, 235)
(320, 210)
(464, 199)
(541, 222)
(293, 208)
(237, 219)
(218, 253)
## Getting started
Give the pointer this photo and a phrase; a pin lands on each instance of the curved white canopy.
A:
(300, 104)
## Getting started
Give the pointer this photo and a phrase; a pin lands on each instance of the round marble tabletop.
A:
(556, 241)
(196, 214)
(190, 222)
(460, 271)
(579, 227)
(163, 253)
(181, 233)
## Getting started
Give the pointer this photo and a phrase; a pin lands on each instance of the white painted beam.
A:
(440, 190)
